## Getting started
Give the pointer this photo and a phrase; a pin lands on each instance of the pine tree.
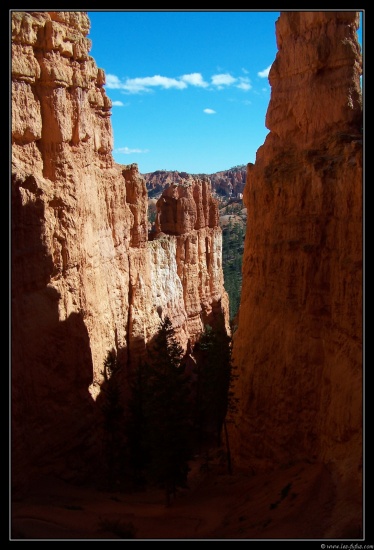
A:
(215, 399)
(168, 412)
(113, 420)
(232, 257)
(214, 370)
(136, 425)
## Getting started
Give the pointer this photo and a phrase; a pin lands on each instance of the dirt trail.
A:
(293, 502)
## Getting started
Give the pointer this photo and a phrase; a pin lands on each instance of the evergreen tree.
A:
(113, 418)
(232, 257)
(214, 371)
(136, 425)
(215, 399)
(167, 411)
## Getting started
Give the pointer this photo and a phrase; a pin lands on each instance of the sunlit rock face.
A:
(85, 278)
(227, 182)
(298, 347)
(187, 214)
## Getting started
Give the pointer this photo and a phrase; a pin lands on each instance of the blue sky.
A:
(189, 88)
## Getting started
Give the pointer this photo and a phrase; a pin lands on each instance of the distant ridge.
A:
(226, 183)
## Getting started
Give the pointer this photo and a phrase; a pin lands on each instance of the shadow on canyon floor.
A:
(296, 502)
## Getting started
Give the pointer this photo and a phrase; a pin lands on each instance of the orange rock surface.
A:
(187, 206)
(298, 346)
(85, 278)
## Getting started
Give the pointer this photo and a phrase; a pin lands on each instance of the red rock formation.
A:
(190, 214)
(85, 279)
(226, 182)
(182, 208)
(298, 346)
(229, 182)
(64, 222)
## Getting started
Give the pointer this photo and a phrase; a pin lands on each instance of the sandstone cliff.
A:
(229, 182)
(188, 216)
(298, 346)
(226, 183)
(85, 279)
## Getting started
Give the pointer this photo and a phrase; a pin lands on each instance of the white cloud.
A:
(264, 73)
(117, 104)
(112, 81)
(223, 79)
(195, 79)
(128, 151)
(244, 86)
(209, 111)
(145, 84)
(148, 83)
(244, 83)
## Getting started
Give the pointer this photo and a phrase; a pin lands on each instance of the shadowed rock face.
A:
(85, 279)
(298, 346)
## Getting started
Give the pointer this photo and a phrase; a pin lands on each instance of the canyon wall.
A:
(85, 278)
(298, 347)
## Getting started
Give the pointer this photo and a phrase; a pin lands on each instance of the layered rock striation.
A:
(85, 278)
(298, 346)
